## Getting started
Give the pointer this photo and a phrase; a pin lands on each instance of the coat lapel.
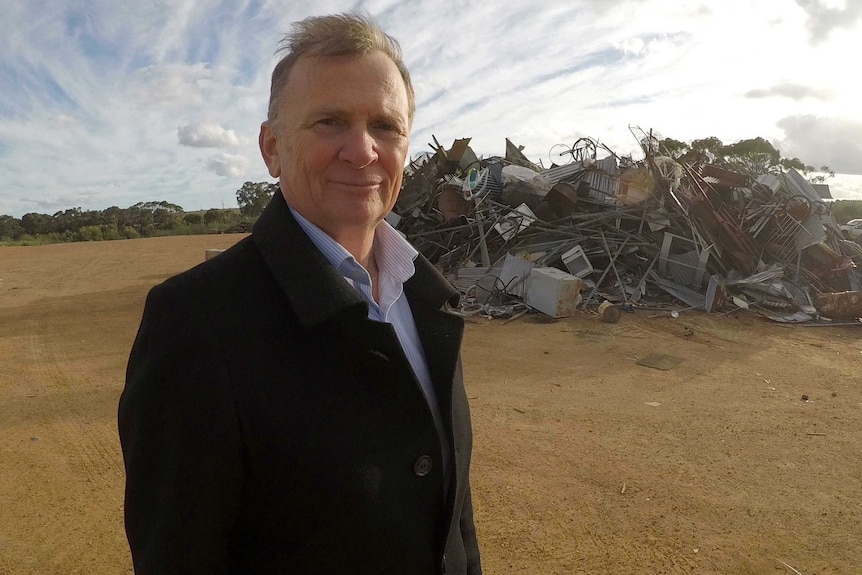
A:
(439, 331)
(316, 290)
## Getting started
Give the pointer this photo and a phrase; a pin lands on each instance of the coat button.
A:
(422, 466)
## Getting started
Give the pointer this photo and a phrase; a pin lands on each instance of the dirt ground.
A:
(584, 461)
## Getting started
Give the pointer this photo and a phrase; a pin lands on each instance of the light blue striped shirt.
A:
(394, 256)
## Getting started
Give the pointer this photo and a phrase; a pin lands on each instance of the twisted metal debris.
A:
(648, 233)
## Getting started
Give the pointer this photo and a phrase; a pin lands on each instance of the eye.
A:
(388, 128)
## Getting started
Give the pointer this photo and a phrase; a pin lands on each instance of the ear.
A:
(269, 149)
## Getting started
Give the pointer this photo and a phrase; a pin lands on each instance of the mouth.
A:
(358, 185)
(358, 182)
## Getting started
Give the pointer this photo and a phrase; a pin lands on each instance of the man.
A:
(295, 404)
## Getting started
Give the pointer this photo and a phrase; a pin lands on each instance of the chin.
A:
(362, 213)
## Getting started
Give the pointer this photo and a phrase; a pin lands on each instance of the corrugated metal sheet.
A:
(603, 177)
(567, 173)
(604, 180)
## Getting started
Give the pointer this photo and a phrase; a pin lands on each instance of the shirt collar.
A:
(393, 253)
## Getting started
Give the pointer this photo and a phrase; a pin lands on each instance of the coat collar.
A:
(316, 290)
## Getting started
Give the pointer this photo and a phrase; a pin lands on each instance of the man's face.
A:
(341, 140)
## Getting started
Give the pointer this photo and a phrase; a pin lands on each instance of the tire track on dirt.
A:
(71, 437)
(29, 450)
(610, 554)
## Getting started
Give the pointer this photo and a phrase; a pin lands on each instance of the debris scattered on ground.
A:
(660, 361)
(658, 234)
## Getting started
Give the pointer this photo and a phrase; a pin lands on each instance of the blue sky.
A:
(113, 102)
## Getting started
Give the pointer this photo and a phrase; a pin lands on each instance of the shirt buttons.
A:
(422, 466)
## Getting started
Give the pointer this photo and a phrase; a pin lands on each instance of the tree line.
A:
(142, 220)
(754, 156)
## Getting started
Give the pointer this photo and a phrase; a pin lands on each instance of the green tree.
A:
(113, 216)
(825, 173)
(138, 219)
(35, 224)
(110, 232)
(90, 233)
(67, 221)
(755, 155)
(152, 206)
(252, 197)
(10, 228)
(164, 219)
(673, 148)
(193, 219)
(794, 163)
(213, 216)
(846, 210)
(711, 144)
(147, 217)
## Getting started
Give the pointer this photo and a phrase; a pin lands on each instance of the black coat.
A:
(269, 427)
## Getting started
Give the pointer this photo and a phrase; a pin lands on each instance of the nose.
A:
(359, 148)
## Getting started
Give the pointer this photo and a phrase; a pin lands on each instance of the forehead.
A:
(345, 82)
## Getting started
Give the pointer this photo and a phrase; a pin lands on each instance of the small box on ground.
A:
(553, 292)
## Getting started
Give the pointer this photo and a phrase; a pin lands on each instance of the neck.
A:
(360, 245)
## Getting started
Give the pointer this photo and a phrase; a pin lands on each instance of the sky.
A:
(113, 102)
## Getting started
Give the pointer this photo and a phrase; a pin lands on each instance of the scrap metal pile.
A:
(655, 233)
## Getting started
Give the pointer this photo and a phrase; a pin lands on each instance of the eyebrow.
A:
(387, 116)
(315, 113)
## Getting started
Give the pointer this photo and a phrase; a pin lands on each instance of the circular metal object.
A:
(609, 312)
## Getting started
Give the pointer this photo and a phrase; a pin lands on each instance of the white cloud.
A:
(834, 142)
(632, 46)
(789, 90)
(53, 204)
(171, 86)
(845, 187)
(203, 135)
(825, 17)
(228, 166)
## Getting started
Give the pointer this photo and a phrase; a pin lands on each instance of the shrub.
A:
(90, 233)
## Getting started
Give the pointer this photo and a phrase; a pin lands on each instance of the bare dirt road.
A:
(584, 461)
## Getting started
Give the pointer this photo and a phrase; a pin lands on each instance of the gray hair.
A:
(335, 35)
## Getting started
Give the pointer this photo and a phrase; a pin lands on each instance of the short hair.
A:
(334, 35)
